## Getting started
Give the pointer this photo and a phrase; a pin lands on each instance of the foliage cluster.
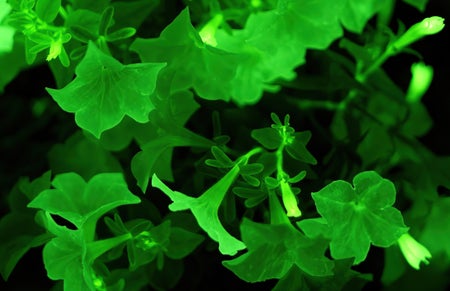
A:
(265, 131)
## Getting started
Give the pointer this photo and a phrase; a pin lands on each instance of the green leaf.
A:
(133, 13)
(251, 169)
(360, 215)
(221, 157)
(274, 249)
(356, 13)
(268, 137)
(342, 276)
(83, 156)
(437, 227)
(182, 242)
(78, 201)
(47, 10)
(86, 20)
(265, 60)
(82, 34)
(16, 241)
(205, 209)
(12, 62)
(70, 258)
(96, 6)
(106, 20)
(149, 244)
(297, 148)
(6, 32)
(171, 113)
(62, 260)
(190, 62)
(156, 157)
(419, 4)
(120, 34)
(101, 100)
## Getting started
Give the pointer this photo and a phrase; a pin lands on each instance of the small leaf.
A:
(247, 192)
(297, 178)
(251, 169)
(82, 34)
(40, 38)
(271, 182)
(252, 181)
(47, 10)
(215, 164)
(120, 34)
(182, 242)
(221, 139)
(276, 120)
(254, 201)
(221, 157)
(418, 4)
(269, 137)
(106, 20)
(297, 149)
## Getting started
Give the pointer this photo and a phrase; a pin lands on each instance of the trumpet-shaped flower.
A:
(427, 26)
(289, 200)
(414, 252)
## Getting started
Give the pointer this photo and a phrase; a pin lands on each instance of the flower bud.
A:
(414, 252)
(289, 200)
(428, 26)
(422, 75)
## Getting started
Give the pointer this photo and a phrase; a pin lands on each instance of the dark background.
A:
(25, 140)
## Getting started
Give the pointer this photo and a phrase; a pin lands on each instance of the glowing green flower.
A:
(289, 200)
(422, 75)
(55, 50)
(207, 33)
(428, 26)
(413, 251)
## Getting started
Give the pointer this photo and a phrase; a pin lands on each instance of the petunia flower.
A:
(414, 252)
(289, 200)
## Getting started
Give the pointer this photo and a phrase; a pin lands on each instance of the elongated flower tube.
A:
(428, 26)
(289, 200)
(207, 33)
(414, 252)
(422, 75)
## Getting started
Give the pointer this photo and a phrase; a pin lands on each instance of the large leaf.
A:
(83, 156)
(437, 228)
(274, 43)
(104, 91)
(274, 249)
(78, 201)
(190, 62)
(47, 10)
(156, 155)
(356, 13)
(360, 215)
(205, 209)
(16, 241)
